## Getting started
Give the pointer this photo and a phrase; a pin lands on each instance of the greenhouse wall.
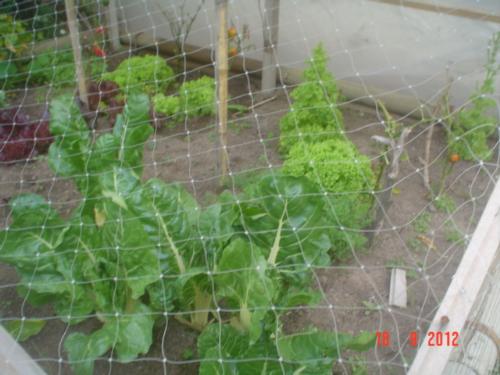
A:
(428, 49)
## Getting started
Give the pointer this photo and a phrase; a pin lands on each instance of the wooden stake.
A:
(270, 31)
(77, 50)
(397, 291)
(113, 27)
(222, 86)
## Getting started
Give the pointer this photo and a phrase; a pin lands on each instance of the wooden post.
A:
(113, 27)
(464, 288)
(270, 30)
(222, 86)
(13, 359)
(77, 50)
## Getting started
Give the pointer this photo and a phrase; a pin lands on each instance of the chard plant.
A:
(100, 261)
(133, 250)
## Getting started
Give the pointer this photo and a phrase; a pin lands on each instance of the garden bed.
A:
(427, 242)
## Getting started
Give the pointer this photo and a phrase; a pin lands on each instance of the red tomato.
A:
(98, 51)
(454, 158)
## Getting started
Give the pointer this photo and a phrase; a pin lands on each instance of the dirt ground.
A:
(427, 242)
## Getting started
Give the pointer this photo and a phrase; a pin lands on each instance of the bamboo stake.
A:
(77, 50)
(222, 86)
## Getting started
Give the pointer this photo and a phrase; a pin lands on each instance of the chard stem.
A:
(177, 255)
(273, 255)
(202, 301)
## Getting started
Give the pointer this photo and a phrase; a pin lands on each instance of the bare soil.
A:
(355, 292)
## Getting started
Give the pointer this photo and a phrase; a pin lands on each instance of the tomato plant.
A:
(470, 128)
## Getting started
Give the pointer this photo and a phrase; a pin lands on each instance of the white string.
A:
(469, 184)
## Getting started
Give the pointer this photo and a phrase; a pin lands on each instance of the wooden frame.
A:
(13, 359)
(464, 288)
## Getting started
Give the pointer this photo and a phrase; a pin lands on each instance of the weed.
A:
(422, 222)
(445, 203)
(358, 366)
(452, 234)
(416, 245)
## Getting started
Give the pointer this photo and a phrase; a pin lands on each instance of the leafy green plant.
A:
(314, 113)
(470, 128)
(166, 105)
(341, 170)
(134, 250)
(22, 330)
(58, 68)
(14, 37)
(225, 350)
(445, 203)
(452, 234)
(422, 223)
(416, 245)
(14, 40)
(101, 259)
(370, 306)
(45, 19)
(150, 74)
(358, 366)
(196, 98)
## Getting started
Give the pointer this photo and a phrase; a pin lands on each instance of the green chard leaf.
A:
(36, 229)
(134, 333)
(70, 151)
(286, 217)
(132, 129)
(31, 245)
(164, 216)
(243, 281)
(315, 351)
(83, 349)
(130, 334)
(221, 342)
(22, 330)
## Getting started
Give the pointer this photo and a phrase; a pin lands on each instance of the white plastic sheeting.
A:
(392, 48)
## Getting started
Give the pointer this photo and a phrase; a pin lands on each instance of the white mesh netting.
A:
(314, 228)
